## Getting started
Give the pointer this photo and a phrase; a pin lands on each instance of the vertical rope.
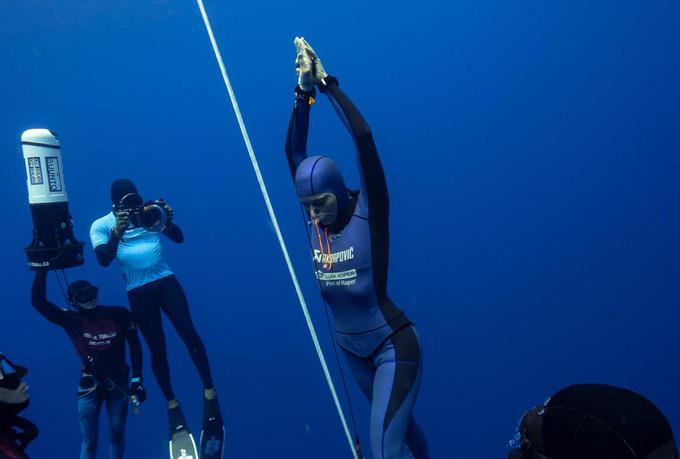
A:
(62, 288)
(357, 440)
(275, 223)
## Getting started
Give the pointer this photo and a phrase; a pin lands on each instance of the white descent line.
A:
(272, 215)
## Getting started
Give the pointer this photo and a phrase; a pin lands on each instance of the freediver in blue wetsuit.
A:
(350, 236)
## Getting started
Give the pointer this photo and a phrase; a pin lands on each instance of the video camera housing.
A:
(150, 215)
(54, 246)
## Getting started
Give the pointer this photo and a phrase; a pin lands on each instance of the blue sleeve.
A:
(298, 129)
(373, 184)
(100, 231)
(104, 242)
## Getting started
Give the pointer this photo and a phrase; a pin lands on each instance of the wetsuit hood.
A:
(595, 421)
(121, 187)
(320, 174)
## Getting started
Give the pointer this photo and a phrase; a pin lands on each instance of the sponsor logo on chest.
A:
(335, 258)
(99, 339)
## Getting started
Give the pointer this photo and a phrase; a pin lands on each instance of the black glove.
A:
(137, 391)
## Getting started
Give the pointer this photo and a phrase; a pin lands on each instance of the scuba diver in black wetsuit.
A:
(350, 234)
(152, 287)
(99, 334)
(594, 421)
(16, 432)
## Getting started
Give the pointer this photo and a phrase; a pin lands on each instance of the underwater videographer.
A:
(16, 432)
(131, 233)
(99, 335)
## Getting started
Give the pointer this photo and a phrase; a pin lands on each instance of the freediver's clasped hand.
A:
(309, 67)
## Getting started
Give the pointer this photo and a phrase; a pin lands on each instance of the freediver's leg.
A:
(145, 304)
(117, 410)
(176, 307)
(89, 409)
(395, 389)
(416, 441)
(415, 437)
(363, 372)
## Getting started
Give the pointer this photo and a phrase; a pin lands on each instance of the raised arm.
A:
(373, 183)
(298, 128)
(48, 310)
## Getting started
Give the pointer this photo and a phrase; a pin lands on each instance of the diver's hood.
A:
(595, 421)
(320, 174)
(120, 188)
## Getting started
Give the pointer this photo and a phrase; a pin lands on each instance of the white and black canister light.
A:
(54, 246)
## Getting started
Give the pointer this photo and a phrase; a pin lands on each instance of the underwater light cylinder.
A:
(53, 246)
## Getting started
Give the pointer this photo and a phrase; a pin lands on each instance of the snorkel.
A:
(321, 189)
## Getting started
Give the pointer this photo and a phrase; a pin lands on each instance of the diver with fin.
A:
(16, 432)
(349, 233)
(131, 233)
(99, 335)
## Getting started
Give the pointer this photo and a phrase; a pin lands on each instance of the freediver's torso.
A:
(364, 314)
(98, 336)
(140, 252)
(355, 286)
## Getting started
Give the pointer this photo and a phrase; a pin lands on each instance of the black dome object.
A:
(589, 421)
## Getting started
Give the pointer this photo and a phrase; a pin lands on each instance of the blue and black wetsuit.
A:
(351, 264)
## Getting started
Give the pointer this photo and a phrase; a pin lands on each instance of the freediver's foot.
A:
(211, 408)
(182, 444)
(212, 434)
(176, 419)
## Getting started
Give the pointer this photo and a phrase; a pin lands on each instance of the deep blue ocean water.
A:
(532, 151)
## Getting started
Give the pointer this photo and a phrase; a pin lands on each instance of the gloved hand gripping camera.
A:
(150, 215)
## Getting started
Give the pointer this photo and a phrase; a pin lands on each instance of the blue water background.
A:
(532, 151)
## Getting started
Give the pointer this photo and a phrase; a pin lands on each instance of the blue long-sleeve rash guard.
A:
(355, 286)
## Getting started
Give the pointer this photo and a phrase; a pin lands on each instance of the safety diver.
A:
(99, 335)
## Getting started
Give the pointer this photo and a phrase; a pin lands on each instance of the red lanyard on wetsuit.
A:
(329, 263)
